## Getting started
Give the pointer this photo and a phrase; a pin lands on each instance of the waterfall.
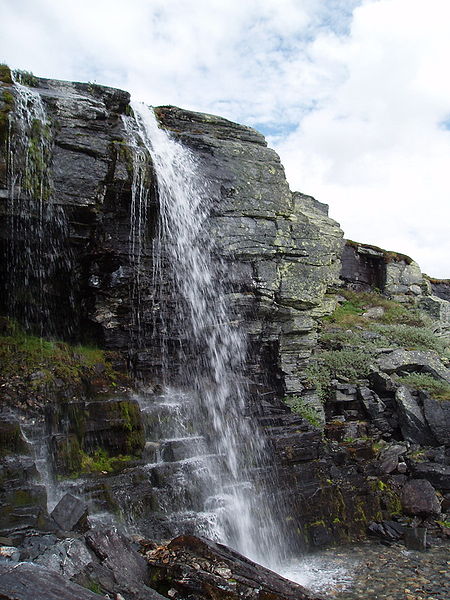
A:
(203, 347)
(38, 260)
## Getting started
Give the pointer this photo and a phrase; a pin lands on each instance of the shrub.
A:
(300, 407)
(346, 364)
(406, 336)
(423, 381)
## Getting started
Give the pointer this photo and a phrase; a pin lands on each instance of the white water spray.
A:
(211, 348)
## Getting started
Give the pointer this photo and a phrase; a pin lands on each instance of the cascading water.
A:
(38, 256)
(202, 332)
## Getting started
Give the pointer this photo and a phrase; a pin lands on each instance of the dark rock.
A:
(419, 498)
(70, 514)
(437, 415)
(438, 475)
(388, 530)
(199, 569)
(27, 581)
(116, 552)
(411, 419)
(371, 402)
(416, 538)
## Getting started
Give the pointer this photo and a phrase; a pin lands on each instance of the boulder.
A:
(27, 581)
(199, 569)
(414, 360)
(437, 474)
(70, 514)
(419, 498)
(412, 422)
(416, 538)
(437, 415)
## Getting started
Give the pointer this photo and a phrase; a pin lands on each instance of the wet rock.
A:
(70, 514)
(387, 530)
(67, 557)
(27, 581)
(200, 569)
(419, 498)
(416, 538)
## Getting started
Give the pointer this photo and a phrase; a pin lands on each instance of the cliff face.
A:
(284, 256)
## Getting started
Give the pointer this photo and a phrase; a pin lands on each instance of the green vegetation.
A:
(26, 78)
(346, 364)
(43, 363)
(349, 341)
(6, 105)
(300, 407)
(409, 337)
(423, 381)
(100, 462)
(5, 74)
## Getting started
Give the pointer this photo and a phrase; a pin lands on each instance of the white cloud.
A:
(356, 89)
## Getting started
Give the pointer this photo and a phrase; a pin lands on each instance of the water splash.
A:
(37, 257)
(203, 345)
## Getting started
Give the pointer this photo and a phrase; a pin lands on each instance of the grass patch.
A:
(100, 462)
(44, 363)
(407, 336)
(423, 381)
(345, 365)
(300, 407)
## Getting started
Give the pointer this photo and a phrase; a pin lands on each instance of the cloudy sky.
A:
(353, 94)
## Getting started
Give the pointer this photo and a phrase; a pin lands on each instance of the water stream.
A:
(38, 256)
(204, 351)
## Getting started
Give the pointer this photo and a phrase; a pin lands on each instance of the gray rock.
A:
(416, 538)
(371, 402)
(68, 557)
(70, 514)
(414, 360)
(435, 473)
(419, 498)
(412, 422)
(437, 415)
(27, 581)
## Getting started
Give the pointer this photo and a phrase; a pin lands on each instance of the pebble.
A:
(392, 573)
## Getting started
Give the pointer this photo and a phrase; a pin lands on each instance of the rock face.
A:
(339, 464)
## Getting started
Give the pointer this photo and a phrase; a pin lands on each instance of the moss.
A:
(21, 498)
(298, 406)
(5, 74)
(6, 105)
(44, 364)
(12, 440)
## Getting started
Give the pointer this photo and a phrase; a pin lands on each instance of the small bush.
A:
(346, 364)
(418, 338)
(26, 78)
(423, 381)
(300, 407)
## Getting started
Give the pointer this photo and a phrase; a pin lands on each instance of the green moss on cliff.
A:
(41, 364)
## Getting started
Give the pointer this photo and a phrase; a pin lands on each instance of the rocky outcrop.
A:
(201, 570)
(341, 462)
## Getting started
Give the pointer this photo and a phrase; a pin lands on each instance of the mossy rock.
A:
(11, 439)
